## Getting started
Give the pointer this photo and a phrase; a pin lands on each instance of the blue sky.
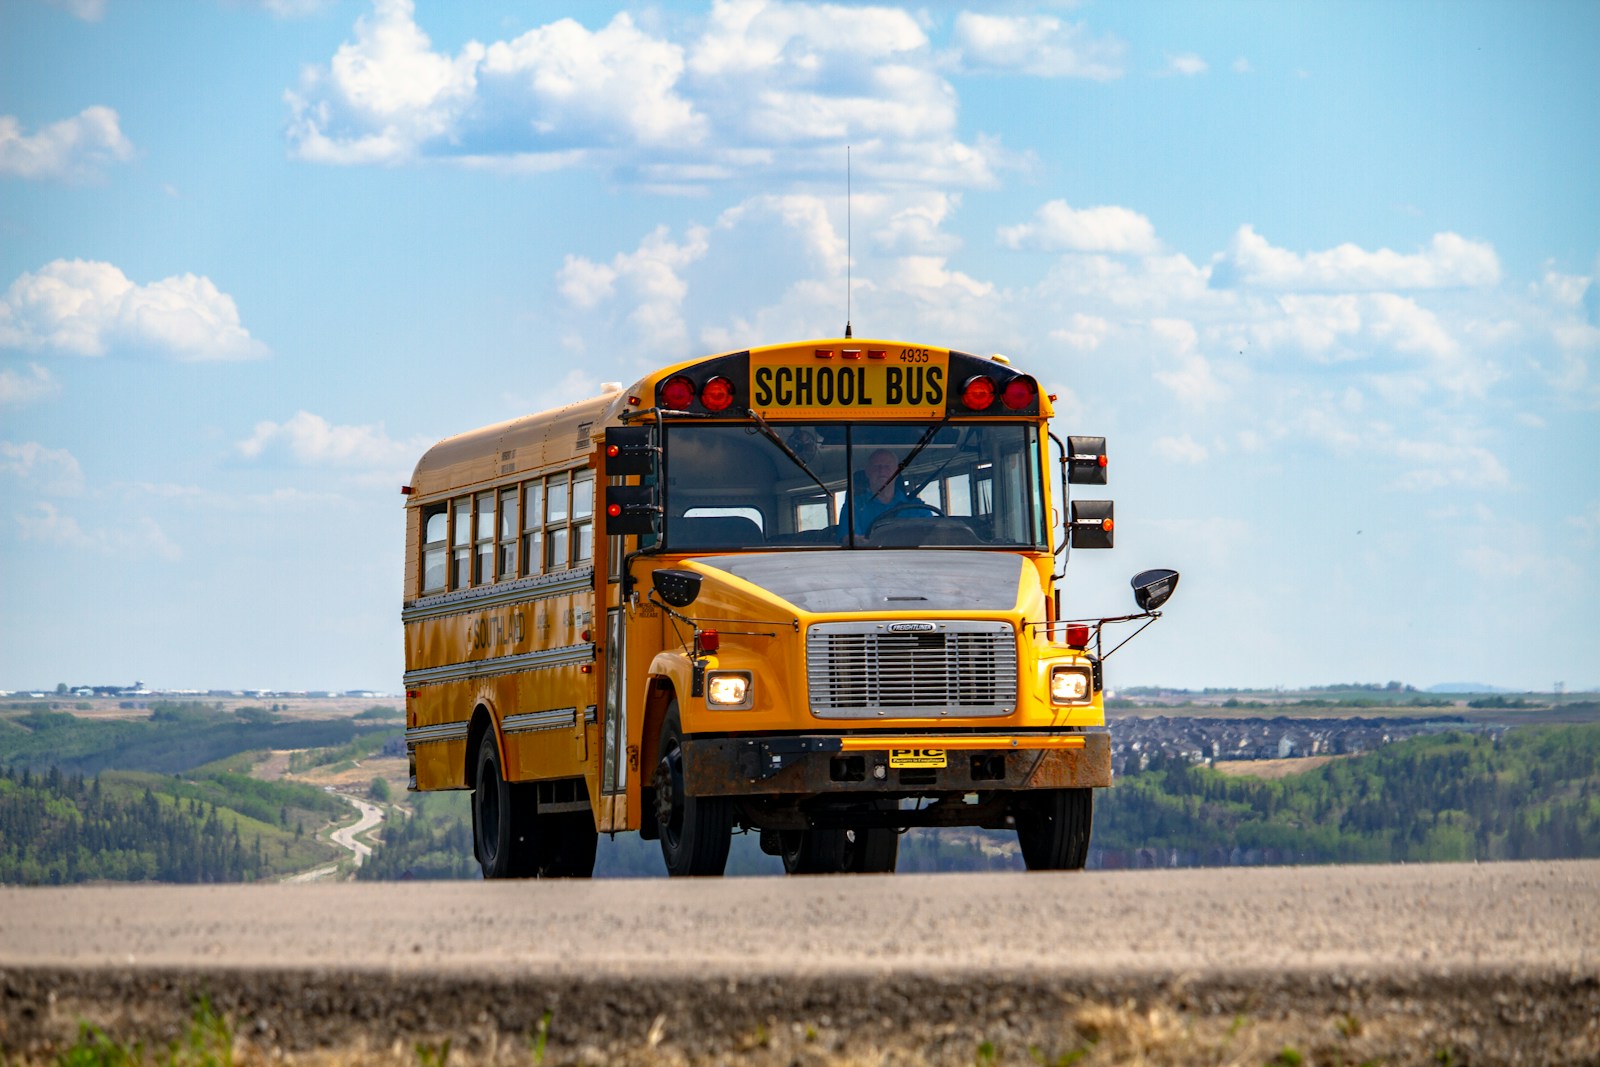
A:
(1324, 274)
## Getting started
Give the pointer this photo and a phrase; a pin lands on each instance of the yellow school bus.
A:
(806, 591)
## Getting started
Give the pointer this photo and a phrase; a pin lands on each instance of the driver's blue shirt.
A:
(869, 508)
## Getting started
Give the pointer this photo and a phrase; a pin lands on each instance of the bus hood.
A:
(842, 582)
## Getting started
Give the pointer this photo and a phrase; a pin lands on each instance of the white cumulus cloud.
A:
(75, 149)
(1182, 449)
(1039, 45)
(1187, 64)
(136, 538)
(756, 87)
(1058, 227)
(1448, 262)
(648, 280)
(19, 387)
(86, 10)
(85, 307)
(54, 471)
(313, 441)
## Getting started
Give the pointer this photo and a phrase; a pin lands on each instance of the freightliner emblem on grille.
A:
(910, 627)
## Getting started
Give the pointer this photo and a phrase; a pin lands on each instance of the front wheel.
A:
(1053, 827)
(695, 831)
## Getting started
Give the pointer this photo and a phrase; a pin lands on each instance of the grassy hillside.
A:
(1528, 793)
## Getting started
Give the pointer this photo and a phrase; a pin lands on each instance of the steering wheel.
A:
(907, 505)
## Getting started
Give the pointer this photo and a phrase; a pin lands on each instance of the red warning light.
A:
(677, 392)
(717, 394)
(978, 393)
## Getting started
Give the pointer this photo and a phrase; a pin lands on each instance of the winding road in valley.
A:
(371, 815)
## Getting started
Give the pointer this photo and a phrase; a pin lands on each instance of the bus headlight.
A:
(729, 690)
(1071, 685)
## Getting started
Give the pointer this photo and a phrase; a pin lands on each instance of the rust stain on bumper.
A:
(819, 764)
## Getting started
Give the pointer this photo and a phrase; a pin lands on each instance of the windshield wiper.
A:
(917, 449)
(772, 435)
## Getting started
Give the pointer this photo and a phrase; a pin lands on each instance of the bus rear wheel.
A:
(696, 832)
(569, 844)
(503, 819)
(1053, 827)
(873, 850)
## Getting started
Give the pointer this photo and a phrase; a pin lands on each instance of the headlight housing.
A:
(730, 690)
(1071, 685)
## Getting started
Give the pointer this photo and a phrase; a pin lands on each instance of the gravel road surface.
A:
(1493, 963)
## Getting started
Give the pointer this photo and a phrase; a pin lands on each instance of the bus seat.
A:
(713, 531)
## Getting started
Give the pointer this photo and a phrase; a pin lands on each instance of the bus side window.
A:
(435, 547)
(557, 551)
(958, 494)
(533, 525)
(483, 571)
(461, 542)
(510, 530)
(583, 518)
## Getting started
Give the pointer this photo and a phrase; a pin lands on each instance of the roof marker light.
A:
(823, 353)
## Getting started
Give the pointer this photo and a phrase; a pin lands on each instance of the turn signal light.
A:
(1078, 634)
(978, 393)
(709, 641)
(717, 394)
(677, 392)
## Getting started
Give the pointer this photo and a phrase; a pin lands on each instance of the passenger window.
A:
(461, 543)
(556, 499)
(510, 530)
(583, 518)
(533, 526)
(435, 548)
(484, 572)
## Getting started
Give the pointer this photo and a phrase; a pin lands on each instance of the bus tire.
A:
(1053, 828)
(695, 831)
(571, 841)
(875, 850)
(503, 823)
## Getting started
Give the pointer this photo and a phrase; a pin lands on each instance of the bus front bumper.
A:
(866, 764)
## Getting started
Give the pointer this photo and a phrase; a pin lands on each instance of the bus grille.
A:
(863, 670)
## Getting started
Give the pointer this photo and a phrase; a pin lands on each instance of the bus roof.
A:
(564, 436)
(531, 442)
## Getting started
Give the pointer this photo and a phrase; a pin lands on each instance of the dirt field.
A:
(1271, 768)
(1461, 964)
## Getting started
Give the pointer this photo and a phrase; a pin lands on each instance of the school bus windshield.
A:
(853, 485)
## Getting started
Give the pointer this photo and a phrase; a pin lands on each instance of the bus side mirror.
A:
(1092, 523)
(1086, 460)
(678, 588)
(631, 509)
(1152, 588)
(628, 450)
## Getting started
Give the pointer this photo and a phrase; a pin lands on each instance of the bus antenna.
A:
(848, 253)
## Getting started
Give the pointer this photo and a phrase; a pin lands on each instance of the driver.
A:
(887, 491)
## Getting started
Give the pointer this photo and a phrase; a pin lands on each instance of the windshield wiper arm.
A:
(917, 449)
(772, 435)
